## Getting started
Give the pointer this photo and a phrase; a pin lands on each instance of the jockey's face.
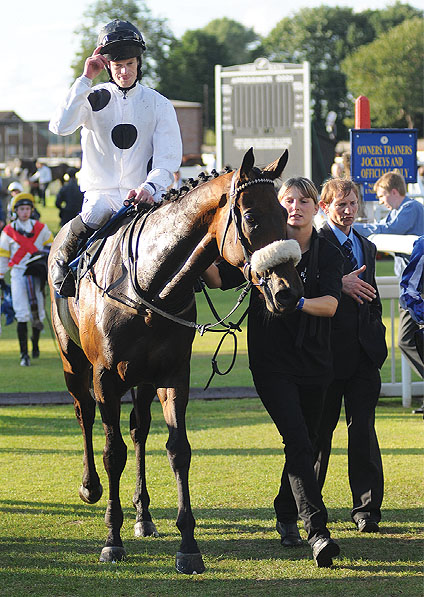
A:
(23, 212)
(124, 72)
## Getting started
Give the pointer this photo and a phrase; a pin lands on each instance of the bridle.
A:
(234, 215)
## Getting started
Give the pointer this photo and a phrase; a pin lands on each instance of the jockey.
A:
(19, 241)
(131, 142)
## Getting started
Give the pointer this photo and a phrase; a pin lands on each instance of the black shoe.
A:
(323, 550)
(365, 525)
(289, 532)
(418, 411)
(67, 287)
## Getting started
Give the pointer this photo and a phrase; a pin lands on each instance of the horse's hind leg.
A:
(77, 372)
(140, 420)
(90, 490)
(174, 402)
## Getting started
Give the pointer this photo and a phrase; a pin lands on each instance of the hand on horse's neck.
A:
(302, 235)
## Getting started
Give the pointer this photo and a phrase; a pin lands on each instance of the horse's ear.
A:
(276, 168)
(247, 163)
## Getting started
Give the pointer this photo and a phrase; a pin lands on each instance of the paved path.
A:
(64, 398)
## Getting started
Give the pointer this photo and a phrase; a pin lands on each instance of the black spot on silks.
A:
(99, 99)
(124, 135)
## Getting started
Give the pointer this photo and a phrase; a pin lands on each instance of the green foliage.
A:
(51, 540)
(389, 71)
(325, 36)
(237, 40)
(155, 32)
(188, 73)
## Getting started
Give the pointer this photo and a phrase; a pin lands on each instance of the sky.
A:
(38, 41)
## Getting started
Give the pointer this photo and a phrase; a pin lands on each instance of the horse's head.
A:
(254, 235)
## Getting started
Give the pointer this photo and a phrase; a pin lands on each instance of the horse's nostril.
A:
(285, 297)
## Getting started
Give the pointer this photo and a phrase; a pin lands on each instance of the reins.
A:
(234, 215)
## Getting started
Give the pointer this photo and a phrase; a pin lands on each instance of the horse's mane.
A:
(192, 183)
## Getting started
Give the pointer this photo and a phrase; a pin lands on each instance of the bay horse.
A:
(110, 338)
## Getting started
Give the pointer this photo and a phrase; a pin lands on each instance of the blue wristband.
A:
(299, 305)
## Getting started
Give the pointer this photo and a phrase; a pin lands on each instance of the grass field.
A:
(50, 541)
(45, 374)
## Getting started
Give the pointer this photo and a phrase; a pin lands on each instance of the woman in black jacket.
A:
(291, 364)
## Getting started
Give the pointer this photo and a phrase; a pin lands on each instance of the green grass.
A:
(50, 541)
(45, 374)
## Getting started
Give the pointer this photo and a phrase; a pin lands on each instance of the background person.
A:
(69, 198)
(290, 360)
(19, 241)
(358, 352)
(411, 296)
(131, 142)
(41, 180)
(406, 216)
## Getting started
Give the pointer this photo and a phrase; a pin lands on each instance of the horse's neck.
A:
(183, 244)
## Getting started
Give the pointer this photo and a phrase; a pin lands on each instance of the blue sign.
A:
(377, 151)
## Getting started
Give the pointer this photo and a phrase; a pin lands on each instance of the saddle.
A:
(90, 251)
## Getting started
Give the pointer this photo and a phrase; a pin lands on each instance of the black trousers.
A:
(296, 411)
(407, 330)
(365, 469)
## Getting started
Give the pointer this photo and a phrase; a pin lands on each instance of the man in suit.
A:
(359, 350)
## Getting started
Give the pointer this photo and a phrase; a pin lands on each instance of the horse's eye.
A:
(250, 219)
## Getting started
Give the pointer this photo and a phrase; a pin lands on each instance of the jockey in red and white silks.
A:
(18, 242)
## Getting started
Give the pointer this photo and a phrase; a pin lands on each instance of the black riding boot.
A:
(62, 277)
(34, 340)
(23, 343)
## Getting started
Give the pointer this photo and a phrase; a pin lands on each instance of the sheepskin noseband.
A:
(275, 253)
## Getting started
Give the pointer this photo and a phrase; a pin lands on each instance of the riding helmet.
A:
(120, 41)
(15, 186)
(23, 199)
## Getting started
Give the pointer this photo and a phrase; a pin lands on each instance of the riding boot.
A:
(23, 343)
(62, 277)
(34, 340)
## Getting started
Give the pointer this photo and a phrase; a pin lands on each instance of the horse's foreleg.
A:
(174, 403)
(140, 420)
(114, 459)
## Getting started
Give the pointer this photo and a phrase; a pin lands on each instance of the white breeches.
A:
(100, 206)
(20, 298)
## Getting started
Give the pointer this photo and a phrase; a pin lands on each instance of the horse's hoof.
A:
(112, 554)
(189, 563)
(145, 529)
(90, 496)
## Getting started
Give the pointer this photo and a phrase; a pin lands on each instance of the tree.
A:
(238, 41)
(325, 36)
(155, 33)
(190, 67)
(389, 72)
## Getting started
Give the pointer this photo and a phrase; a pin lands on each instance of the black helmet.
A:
(120, 40)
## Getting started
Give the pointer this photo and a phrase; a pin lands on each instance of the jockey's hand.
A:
(140, 195)
(356, 288)
(94, 64)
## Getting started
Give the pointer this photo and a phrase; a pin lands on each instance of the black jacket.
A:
(356, 326)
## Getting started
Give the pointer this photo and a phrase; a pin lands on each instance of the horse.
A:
(133, 325)
(24, 168)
